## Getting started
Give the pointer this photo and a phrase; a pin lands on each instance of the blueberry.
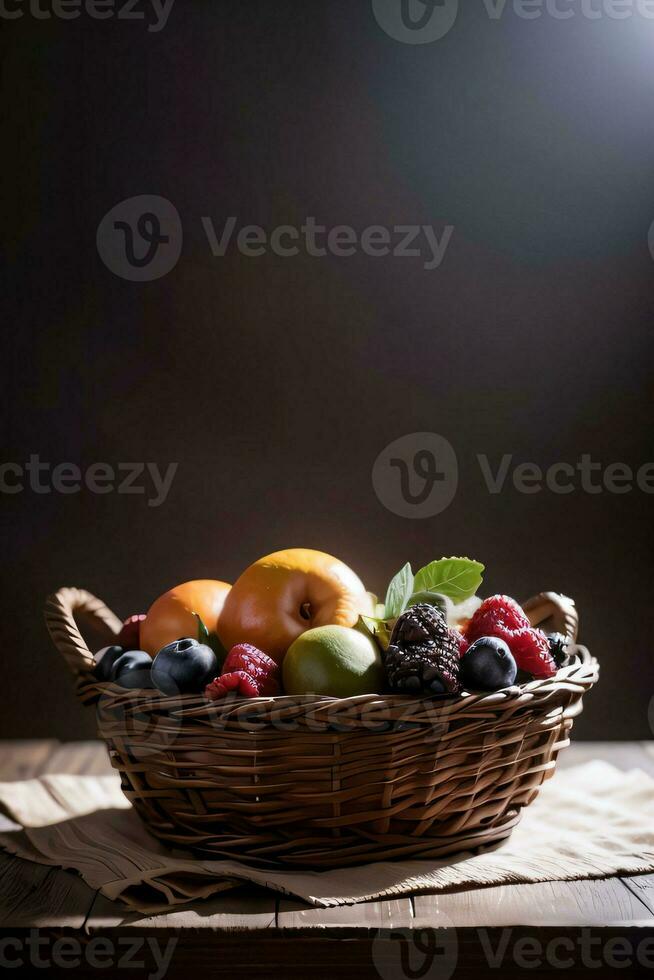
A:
(488, 665)
(184, 667)
(133, 669)
(104, 661)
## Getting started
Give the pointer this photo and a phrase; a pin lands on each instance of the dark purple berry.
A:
(104, 661)
(133, 669)
(488, 665)
(184, 667)
(559, 648)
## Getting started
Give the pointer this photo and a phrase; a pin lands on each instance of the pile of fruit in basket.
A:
(300, 622)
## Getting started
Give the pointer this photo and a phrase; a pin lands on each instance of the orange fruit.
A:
(171, 617)
(284, 594)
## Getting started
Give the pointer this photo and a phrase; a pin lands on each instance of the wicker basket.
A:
(318, 782)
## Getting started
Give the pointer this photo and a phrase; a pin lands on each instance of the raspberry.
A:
(247, 671)
(237, 680)
(531, 650)
(460, 640)
(261, 668)
(497, 616)
(502, 617)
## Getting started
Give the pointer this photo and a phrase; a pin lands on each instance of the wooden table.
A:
(557, 928)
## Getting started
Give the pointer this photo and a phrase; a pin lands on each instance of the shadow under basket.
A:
(314, 782)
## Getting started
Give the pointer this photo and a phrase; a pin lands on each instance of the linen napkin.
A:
(590, 821)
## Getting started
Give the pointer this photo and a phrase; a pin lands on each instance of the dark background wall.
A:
(275, 382)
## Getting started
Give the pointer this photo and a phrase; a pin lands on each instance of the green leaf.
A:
(203, 632)
(432, 598)
(211, 640)
(383, 635)
(379, 609)
(457, 578)
(399, 592)
(367, 624)
(379, 629)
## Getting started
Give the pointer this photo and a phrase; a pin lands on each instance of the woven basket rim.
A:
(377, 712)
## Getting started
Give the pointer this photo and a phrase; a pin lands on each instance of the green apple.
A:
(335, 661)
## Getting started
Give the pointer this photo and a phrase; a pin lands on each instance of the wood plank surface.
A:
(80, 759)
(393, 914)
(604, 902)
(23, 759)
(60, 900)
(18, 879)
(242, 908)
(642, 887)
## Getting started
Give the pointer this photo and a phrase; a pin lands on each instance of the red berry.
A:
(237, 680)
(129, 637)
(460, 640)
(261, 668)
(502, 617)
(531, 650)
(496, 615)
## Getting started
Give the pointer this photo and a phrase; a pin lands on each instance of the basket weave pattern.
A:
(320, 782)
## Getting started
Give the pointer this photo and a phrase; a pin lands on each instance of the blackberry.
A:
(559, 648)
(423, 655)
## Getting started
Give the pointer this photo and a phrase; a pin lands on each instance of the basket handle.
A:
(556, 612)
(60, 611)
